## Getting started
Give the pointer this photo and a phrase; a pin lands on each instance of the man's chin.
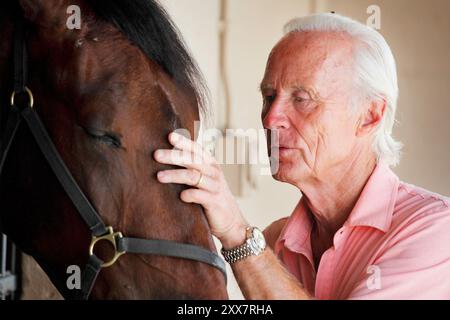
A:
(280, 175)
(288, 173)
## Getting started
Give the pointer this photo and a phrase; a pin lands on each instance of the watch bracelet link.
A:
(238, 253)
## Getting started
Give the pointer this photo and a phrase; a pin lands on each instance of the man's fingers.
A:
(181, 142)
(190, 177)
(185, 159)
(199, 196)
(179, 158)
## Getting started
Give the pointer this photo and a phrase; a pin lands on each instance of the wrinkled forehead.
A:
(310, 59)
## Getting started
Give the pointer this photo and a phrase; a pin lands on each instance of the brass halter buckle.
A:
(30, 97)
(110, 236)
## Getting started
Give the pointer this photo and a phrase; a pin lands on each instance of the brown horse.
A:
(108, 94)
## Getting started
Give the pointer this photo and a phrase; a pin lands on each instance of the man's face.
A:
(307, 91)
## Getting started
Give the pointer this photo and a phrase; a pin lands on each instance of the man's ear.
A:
(31, 8)
(371, 118)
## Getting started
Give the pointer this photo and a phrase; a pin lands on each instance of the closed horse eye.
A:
(108, 138)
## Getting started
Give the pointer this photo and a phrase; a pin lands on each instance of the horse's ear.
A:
(31, 8)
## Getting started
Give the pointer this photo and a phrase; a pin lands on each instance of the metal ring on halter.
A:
(199, 180)
(30, 97)
(110, 236)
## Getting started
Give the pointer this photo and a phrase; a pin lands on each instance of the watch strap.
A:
(233, 255)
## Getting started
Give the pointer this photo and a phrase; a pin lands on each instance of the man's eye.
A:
(108, 138)
(269, 98)
(300, 99)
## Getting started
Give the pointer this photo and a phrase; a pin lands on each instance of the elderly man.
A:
(330, 91)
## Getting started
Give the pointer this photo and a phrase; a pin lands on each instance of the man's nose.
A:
(276, 117)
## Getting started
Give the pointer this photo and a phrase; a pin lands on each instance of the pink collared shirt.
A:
(395, 244)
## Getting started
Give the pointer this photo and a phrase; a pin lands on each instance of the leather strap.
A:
(7, 138)
(67, 181)
(88, 278)
(171, 249)
(20, 80)
(20, 57)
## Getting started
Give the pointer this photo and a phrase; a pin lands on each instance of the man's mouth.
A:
(282, 150)
(283, 146)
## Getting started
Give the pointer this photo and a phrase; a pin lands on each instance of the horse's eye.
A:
(108, 138)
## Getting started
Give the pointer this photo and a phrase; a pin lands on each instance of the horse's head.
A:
(108, 94)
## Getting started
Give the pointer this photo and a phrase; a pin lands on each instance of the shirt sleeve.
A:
(415, 266)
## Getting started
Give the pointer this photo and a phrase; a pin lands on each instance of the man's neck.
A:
(331, 200)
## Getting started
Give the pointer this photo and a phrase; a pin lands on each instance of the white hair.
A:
(375, 71)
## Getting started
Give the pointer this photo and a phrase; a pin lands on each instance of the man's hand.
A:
(269, 279)
(202, 171)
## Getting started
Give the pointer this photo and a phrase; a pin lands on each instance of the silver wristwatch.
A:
(253, 246)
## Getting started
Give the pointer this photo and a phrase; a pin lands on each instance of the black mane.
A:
(148, 26)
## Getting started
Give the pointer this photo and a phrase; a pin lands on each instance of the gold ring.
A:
(199, 180)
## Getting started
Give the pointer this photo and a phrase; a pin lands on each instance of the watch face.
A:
(258, 242)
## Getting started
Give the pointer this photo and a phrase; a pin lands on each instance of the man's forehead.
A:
(305, 40)
(299, 58)
(312, 47)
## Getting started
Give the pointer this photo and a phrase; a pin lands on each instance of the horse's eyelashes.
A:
(108, 138)
(111, 141)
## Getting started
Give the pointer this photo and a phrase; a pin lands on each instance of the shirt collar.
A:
(296, 234)
(375, 205)
(374, 208)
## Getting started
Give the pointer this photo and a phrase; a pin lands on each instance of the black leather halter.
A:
(19, 113)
